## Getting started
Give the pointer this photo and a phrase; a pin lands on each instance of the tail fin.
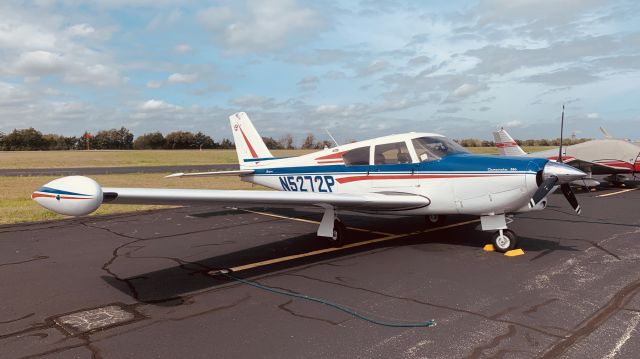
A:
(249, 144)
(506, 145)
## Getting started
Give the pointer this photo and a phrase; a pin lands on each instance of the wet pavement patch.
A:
(94, 319)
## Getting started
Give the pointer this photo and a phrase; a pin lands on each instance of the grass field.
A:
(60, 159)
(17, 206)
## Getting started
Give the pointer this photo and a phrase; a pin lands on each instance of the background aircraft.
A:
(607, 156)
(421, 174)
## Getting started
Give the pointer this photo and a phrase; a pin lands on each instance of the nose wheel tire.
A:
(504, 240)
(435, 220)
(339, 233)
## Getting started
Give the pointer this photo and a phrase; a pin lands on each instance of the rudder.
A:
(249, 144)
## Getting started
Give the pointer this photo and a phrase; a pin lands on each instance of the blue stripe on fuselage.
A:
(59, 191)
(451, 163)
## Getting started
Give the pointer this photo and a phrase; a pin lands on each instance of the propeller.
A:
(545, 187)
(555, 173)
(571, 197)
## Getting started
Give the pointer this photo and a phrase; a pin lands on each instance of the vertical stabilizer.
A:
(249, 144)
(506, 145)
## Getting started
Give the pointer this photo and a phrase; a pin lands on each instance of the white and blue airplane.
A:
(421, 174)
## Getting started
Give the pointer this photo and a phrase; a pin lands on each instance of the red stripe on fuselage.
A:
(395, 177)
(35, 195)
(246, 140)
(331, 156)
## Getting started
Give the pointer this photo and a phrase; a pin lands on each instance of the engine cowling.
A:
(71, 196)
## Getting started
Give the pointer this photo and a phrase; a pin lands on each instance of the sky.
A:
(359, 69)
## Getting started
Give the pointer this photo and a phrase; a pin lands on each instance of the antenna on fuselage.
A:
(333, 139)
(561, 130)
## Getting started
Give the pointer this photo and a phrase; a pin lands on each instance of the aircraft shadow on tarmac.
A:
(171, 286)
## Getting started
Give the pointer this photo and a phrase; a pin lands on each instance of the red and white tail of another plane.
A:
(506, 145)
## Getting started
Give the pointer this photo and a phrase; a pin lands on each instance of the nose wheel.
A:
(504, 240)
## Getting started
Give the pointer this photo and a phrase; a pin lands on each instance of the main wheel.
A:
(339, 233)
(435, 220)
(505, 241)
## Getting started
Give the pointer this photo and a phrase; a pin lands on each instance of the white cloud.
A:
(463, 91)
(98, 74)
(593, 115)
(178, 78)
(38, 63)
(154, 84)
(256, 25)
(182, 48)
(157, 105)
(80, 30)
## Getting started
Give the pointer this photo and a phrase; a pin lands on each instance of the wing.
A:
(364, 201)
(596, 168)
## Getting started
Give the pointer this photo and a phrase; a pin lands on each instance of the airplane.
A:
(419, 174)
(608, 156)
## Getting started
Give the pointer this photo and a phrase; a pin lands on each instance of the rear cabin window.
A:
(357, 157)
(391, 154)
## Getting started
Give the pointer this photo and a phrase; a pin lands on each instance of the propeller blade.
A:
(545, 187)
(571, 197)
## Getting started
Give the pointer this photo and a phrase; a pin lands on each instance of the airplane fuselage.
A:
(488, 184)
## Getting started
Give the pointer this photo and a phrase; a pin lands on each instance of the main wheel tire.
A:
(339, 233)
(435, 220)
(505, 242)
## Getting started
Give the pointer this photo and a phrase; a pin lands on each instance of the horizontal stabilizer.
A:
(215, 173)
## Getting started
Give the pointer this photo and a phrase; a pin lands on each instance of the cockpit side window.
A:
(357, 157)
(434, 148)
(391, 153)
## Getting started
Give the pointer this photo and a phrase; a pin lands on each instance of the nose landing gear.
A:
(503, 239)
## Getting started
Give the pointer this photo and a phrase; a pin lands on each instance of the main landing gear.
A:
(332, 228)
(503, 239)
(435, 220)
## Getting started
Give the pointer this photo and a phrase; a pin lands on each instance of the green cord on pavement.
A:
(429, 323)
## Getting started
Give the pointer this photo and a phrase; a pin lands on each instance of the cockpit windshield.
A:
(434, 148)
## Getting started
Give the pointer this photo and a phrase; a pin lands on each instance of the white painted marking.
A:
(619, 192)
(627, 334)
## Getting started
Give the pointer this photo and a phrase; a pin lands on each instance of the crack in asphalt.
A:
(534, 308)
(18, 319)
(440, 306)
(590, 324)
(283, 306)
(33, 259)
(478, 351)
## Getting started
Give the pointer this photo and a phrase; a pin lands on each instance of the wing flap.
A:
(364, 201)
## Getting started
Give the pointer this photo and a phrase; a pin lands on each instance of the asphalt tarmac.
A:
(137, 285)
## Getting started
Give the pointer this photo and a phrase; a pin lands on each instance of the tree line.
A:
(474, 142)
(30, 139)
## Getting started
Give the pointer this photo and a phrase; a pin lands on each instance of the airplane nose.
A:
(563, 172)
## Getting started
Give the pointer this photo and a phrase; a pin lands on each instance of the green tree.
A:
(179, 140)
(24, 139)
(271, 143)
(149, 141)
(226, 144)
